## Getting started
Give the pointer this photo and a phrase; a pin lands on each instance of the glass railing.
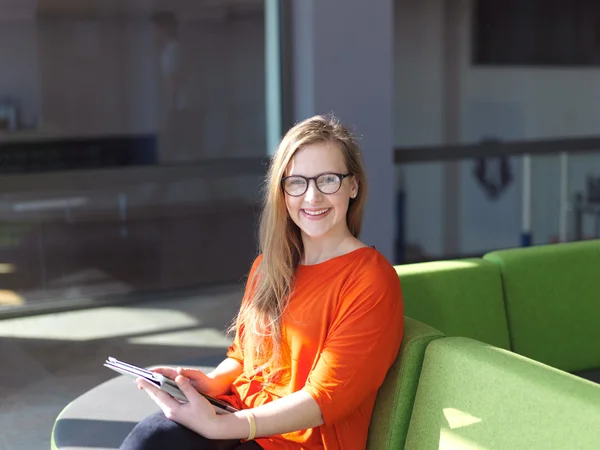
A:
(467, 200)
(120, 234)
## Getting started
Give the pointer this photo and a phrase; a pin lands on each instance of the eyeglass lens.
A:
(327, 183)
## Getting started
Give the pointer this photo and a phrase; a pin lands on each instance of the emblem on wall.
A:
(494, 175)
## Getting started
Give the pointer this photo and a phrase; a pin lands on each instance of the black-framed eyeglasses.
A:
(327, 183)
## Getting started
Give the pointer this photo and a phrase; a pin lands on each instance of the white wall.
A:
(507, 103)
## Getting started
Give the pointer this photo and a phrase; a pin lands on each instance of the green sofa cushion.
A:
(475, 396)
(459, 298)
(552, 296)
(393, 407)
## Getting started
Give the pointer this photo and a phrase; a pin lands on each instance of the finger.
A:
(145, 385)
(190, 373)
(185, 384)
(197, 378)
(168, 372)
(161, 398)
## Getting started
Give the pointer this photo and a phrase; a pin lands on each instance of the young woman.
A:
(320, 323)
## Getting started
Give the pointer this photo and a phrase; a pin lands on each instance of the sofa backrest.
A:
(459, 298)
(552, 298)
(393, 407)
(472, 395)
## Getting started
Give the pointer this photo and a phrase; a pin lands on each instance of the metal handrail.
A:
(532, 147)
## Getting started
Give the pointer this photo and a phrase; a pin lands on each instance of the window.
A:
(536, 32)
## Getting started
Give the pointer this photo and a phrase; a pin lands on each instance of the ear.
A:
(353, 187)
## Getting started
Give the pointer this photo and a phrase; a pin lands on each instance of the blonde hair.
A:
(259, 320)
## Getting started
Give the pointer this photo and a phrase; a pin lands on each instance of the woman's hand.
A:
(297, 411)
(197, 414)
(198, 379)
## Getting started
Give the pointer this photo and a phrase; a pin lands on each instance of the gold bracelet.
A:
(252, 423)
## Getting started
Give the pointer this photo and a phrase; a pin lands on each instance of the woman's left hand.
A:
(198, 414)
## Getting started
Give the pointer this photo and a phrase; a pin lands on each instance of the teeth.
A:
(316, 213)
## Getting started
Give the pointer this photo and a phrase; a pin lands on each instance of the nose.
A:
(312, 194)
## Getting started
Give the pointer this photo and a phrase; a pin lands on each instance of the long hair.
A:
(259, 320)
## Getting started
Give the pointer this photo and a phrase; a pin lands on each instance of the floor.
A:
(48, 360)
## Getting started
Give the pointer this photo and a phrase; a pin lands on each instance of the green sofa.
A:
(393, 408)
(442, 392)
(541, 302)
(552, 300)
(458, 381)
(459, 393)
(476, 396)
(459, 298)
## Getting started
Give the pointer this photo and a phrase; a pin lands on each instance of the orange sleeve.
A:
(362, 343)
(235, 350)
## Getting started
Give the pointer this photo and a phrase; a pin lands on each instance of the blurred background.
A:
(135, 135)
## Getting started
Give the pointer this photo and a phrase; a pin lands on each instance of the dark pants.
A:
(156, 432)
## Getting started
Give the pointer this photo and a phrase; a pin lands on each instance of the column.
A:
(341, 54)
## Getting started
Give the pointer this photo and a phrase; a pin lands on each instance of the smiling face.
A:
(317, 214)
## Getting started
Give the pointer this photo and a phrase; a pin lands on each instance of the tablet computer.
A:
(163, 383)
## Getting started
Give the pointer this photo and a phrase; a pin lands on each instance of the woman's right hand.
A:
(199, 379)
(216, 383)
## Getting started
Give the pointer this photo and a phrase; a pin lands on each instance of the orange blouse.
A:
(343, 324)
